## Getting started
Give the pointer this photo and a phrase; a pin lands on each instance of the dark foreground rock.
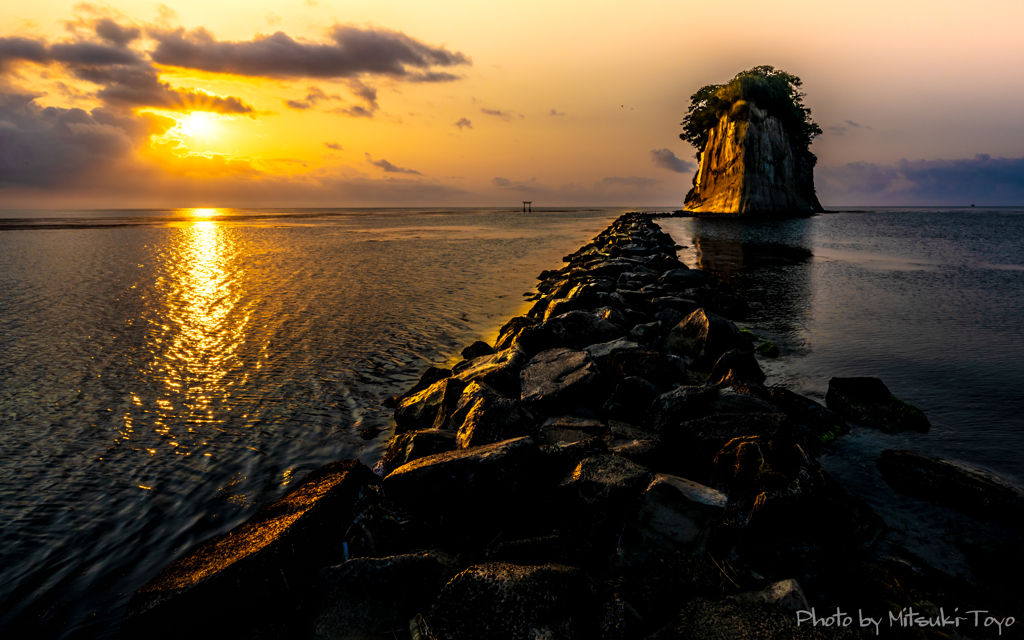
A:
(869, 402)
(972, 491)
(705, 336)
(502, 601)
(253, 577)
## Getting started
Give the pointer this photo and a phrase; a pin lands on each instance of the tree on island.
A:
(772, 90)
(733, 183)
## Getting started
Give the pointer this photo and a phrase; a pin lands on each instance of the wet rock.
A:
(787, 594)
(680, 404)
(630, 400)
(702, 619)
(819, 425)
(663, 370)
(510, 330)
(368, 596)
(477, 349)
(558, 381)
(684, 306)
(645, 333)
(736, 366)
(977, 493)
(500, 370)
(420, 410)
(413, 445)
(675, 514)
(683, 278)
(253, 577)
(561, 458)
(869, 402)
(580, 329)
(705, 336)
(427, 378)
(487, 481)
(601, 352)
(767, 349)
(602, 487)
(502, 601)
(491, 420)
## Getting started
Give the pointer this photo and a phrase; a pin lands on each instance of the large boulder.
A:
(491, 481)
(680, 404)
(427, 378)
(580, 329)
(736, 366)
(815, 424)
(601, 488)
(499, 370)
(705, 336)
(491, 420)
(413, 445)
(675, 514)
(502, 601)
(375, 596)
(510, 330)
(420, 410)
(951, 484)
(558, 381)
(630, 400)
(256, 575)
(869, 402)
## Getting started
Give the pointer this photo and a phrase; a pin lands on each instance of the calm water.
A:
(167, 372)
(929, 300)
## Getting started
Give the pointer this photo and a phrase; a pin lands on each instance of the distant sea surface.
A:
(165, 373)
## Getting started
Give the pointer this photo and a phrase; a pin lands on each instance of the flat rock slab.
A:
(972, 491)
(674, 514)
(466, 479)
(370, 596)
(869, 402)
(502, 601)
(254, 575)
(558, 380)
(705, 336)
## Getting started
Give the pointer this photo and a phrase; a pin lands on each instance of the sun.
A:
(198, 123)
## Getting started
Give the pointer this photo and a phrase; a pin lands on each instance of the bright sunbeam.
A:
(198, 122)
(205, 213)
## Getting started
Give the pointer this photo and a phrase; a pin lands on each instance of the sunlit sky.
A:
(393, 103)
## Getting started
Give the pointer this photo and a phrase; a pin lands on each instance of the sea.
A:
(164, 373)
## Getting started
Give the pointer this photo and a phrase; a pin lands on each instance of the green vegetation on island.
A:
(772, 90)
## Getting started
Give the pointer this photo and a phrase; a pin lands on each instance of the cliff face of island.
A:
(750, 166)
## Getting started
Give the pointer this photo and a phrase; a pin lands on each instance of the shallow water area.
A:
(929, 300)
(166, 372)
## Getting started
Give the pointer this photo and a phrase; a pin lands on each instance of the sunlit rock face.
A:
(749, 166)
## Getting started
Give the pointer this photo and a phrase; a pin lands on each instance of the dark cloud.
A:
(556, 112)
(504, 115)
(464, 123)
(354, 111)
(665, 159)
(44, 147)
(388, 167)
(367, 93)
(333, 145)
(530, 186)
(981, 179)
(855, 125)
(432, 76)
(141, 87)
(354, 51)
(313, 96)
(115, 33)
(73, 53)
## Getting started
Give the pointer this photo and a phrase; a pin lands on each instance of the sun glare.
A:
(197, 122)
(205, 213)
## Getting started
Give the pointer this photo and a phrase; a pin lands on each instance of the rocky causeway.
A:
(612, 467)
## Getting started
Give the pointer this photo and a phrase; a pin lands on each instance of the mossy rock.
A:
(767, 349)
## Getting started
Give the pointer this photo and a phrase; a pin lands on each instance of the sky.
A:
(273, 103)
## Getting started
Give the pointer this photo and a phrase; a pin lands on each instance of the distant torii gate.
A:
(527, 203)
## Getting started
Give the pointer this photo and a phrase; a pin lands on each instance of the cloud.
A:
(504, 115)
(75, 53)
(313, 96)
(115, 33)
(665, 159)
(333, 145)
(388, 167)
(464, 123)
(354, 51)
(556, 112)
(46, 147)
(354, 111)
(855, 125)
(530, 186)
(981, 179)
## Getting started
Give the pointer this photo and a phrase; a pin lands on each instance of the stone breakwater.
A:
(613, 467)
